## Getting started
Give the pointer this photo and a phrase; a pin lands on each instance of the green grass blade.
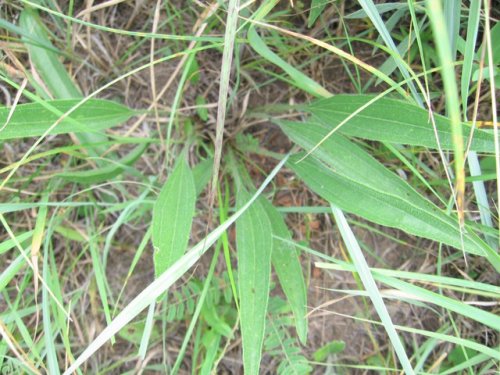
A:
(366, 277)
(445, 53)
(372, 12)
(227, 60)
(11, 243)
(254, 248)
(286, 262)
(34, 119)
(173, 214)
(300, 80)
(484, 317)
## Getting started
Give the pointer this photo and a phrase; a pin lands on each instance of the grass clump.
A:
(353, 145)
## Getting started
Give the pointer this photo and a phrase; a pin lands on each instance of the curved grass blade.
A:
(33, 119)
(350, 178)
(254, 246)
(173, 214)
(105, 173)
(285, 260)
(390, 120)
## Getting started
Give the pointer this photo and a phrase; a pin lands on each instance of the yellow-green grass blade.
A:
(445, 53)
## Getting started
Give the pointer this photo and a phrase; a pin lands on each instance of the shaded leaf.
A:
(101, 174)
(317, 7)
(332, 347)
(173, 214)
(254, 245)
(285, 260)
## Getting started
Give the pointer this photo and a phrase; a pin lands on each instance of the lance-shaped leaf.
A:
(101, 174)
(173, 214)
(33, 119)
(347, 176)
(285, 260)
(390, 120)
(254, 246)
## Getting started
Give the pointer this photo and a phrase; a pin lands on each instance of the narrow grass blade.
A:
(102, 174)
(442, 41)
(366, 277)
(254, 248)
(286, 262)
(472, 157)
(173, 216)
(389, 120)
(33, 119)
(11, 243)
(484, 317)
(373, 14)
(166, 279)
(227, 60)
(300, 80)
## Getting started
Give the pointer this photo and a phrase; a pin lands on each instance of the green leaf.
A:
(285, 260)
(201, 108)
(254, 246)
(51, 70)
(390, 120)
(202, 173)
(98, 175)
(173, 214)
(317, 7)
(347, 176)
(332, 347)
(44, 58)
(33, 119)
(300, 80)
